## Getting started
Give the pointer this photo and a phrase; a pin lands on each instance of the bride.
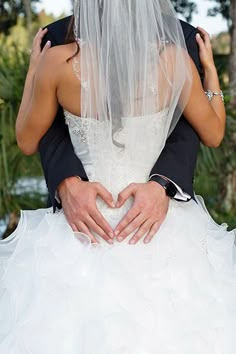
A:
(123, 84)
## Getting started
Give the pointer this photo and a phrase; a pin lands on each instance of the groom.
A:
(171, 176)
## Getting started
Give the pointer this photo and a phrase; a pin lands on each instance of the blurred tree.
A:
(13, 164)
(227, 8)
(28, 13)
(10, 10)
(221, 7)
(224, 158)
(232, 66)
(185, 8)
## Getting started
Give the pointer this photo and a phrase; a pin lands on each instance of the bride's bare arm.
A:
(37, 112)
(207, 117)
(39, 102)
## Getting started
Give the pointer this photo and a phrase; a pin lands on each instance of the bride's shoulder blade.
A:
(58, 55)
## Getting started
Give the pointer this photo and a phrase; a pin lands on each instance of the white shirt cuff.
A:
(57, 197)
(180, 195)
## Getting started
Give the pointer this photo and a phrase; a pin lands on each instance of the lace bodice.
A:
(138, 144)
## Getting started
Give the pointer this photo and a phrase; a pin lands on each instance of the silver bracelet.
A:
(210, 95)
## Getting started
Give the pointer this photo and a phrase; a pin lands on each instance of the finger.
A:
(200, 41)
(82, 227)
(101, 222)
(38, 37)
(46, 47)
(129, 217)
(132, 226)
(205, 35)
(98, 230)
(203, 47)
(125, 194)
(41, 33)
(105, 195)
(37, 34)
(203, 31)
(73, 226)
(153, 230)
(144, 228)
(36, 48)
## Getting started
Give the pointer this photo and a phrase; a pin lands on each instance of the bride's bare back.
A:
(59, 63)
(54, 82)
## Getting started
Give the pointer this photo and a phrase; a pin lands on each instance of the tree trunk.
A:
(28, 14)
(230, 191)
(229, 196)
(232, 67)
(230, 179)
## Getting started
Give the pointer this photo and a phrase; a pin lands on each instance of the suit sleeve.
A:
(179, 156)
(56, 151)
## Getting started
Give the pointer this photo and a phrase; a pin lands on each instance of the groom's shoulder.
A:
(188, 29)
(57, 30)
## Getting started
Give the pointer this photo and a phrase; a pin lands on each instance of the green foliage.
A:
(10, 11)
(14, 165)
(221, 7)
(214, 165)
(221, 46)
(13, 67)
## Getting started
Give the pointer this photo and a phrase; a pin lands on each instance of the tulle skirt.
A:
(60, 294)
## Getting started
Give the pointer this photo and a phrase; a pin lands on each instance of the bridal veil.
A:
(133, 61)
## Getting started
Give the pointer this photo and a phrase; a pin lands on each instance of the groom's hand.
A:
(78, 200)
(146, 214)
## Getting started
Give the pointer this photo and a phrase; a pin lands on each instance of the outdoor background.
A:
(21, 182)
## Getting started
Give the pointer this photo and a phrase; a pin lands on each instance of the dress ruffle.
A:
(60, 294)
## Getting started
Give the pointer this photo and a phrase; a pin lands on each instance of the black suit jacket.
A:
(177, 160)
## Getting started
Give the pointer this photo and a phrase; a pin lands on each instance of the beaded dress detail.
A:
(59, 294)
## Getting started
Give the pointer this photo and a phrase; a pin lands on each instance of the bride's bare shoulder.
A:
(59, 54)
(55, 61)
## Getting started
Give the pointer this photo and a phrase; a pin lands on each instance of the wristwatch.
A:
(169, 187)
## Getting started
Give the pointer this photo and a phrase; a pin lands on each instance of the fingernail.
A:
(120, 239)
(113, 204)
(117, 232)
(146, 241)
(111, 235)
(48, 43)
(198, 35)
(110, 242)
(132, 242)
(117, 204)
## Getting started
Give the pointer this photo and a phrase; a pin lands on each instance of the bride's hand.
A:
(146, 214)
(36, 53)
(205, 49)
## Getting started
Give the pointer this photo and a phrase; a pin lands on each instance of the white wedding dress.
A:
(60, 294)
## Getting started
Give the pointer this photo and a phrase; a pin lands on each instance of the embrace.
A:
(126, 260)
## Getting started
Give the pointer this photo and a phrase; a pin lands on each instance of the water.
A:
(28, 185)
(2, 227)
